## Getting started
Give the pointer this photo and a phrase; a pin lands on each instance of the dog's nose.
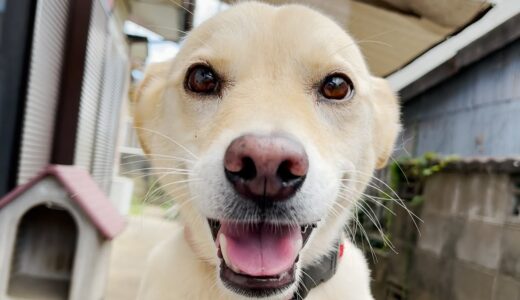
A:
(266, 168)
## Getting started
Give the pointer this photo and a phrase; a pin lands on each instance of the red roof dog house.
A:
(55, 234)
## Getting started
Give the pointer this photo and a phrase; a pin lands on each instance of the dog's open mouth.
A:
(258, 259)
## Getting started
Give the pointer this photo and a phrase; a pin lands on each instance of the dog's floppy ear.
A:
(387, 120)
(147, 100)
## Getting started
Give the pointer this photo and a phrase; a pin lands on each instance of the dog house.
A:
(55, 234)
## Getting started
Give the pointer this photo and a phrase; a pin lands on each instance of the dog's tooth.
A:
(223, 249)
(223, 246)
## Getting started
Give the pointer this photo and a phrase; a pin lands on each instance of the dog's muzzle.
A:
(258, 259)
(259, 255)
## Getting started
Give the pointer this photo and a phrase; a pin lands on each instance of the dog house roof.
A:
(84, 191)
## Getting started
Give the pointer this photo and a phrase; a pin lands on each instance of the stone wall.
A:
(468, 247)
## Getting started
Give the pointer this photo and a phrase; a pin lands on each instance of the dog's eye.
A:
(202, 79)
(337, 87)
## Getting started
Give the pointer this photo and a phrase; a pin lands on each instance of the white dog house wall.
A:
(55, 234)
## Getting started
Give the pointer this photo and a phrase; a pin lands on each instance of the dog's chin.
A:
(258, 260)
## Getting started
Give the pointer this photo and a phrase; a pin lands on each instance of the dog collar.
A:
(316, 274)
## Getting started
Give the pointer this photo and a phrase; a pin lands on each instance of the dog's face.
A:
(268, 126)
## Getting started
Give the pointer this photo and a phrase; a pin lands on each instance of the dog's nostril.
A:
(248, 170)
(284, 172)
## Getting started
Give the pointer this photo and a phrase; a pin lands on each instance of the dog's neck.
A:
(315, 274)
(320, 272)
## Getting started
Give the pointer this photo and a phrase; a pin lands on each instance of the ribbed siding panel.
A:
(92, 84)
(43, 88)
(108, 116)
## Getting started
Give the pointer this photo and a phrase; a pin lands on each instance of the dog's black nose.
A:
(266, 168)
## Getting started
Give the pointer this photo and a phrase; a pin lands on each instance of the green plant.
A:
(419, 168)
(405, 181)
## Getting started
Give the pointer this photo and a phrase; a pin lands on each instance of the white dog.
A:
(267, 126)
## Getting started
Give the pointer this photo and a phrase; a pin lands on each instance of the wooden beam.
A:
(189, 12)
(66, 127)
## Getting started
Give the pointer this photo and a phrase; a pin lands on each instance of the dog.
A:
(265, 128)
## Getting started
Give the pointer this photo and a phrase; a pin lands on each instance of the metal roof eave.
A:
(436, 64)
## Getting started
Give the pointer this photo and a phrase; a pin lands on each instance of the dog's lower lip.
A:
(256, 285)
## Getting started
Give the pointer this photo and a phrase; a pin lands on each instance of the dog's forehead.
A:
(255, 32)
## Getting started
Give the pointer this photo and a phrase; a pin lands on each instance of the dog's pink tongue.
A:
(265, 250)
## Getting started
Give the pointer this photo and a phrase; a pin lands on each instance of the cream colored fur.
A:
(271, 59)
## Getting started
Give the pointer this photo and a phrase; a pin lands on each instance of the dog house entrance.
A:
(43, 255)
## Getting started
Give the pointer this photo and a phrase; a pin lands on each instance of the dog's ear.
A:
(147, 100)
(387, 120)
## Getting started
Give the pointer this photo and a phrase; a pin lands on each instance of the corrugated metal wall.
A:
(108, 114)
(102, 95)
(476, 112)
(103, 90)
(43, 89)
(92, 86)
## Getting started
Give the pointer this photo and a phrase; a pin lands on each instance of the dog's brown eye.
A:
(202, 80)
(337, 87)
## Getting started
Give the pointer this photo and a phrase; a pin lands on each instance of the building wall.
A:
(467, 246)
(476, 112)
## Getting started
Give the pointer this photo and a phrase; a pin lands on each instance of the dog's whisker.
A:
(310, 277)
(167, 194)
(370, 197)
(177, 170)
(169, 139)
(151, 186)
(369, 39)
(173, 192)
(398, 200)
(149, 175)
(182, 6)
(161, 173)
(149, 160)
(365, 235)
(167, 191)
(400, 169)
(160, 155)
(185, 202)
(145, 172)
(373, 218)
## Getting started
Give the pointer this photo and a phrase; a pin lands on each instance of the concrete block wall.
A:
(469, 246)
(469, 242)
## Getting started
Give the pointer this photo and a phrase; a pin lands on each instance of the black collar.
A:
(314, 275)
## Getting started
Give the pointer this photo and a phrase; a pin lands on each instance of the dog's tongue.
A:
(260, 250)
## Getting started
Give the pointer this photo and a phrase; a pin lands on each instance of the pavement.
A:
(130, 251)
